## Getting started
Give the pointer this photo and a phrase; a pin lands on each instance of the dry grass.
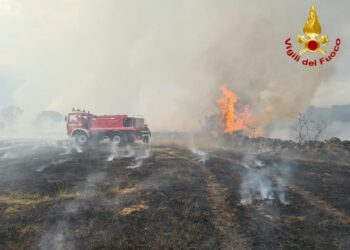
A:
(294, 218)
(134, 208)
(65, 195)
(124, 190)
(28, 228)
(18, 202)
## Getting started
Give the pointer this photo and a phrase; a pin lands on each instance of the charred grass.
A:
(172, 201)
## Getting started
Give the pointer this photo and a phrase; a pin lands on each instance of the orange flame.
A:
(233, 118)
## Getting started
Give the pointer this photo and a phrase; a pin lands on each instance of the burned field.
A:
(168, 196)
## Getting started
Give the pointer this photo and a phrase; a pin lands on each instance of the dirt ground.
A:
(166, 196)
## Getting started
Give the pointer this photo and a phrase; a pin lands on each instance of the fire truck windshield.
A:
(73, 118)
(139, 123)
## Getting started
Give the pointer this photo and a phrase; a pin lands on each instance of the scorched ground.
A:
(168, 196)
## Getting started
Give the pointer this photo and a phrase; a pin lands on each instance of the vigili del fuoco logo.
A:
(312, 42)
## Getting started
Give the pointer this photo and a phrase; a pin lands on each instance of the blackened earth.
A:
(167, 196)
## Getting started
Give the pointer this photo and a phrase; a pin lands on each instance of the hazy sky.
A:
(165, 59)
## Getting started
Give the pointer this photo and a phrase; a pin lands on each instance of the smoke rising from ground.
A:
(259, 182)
(57, 237)
(138, 153)
(164, 60)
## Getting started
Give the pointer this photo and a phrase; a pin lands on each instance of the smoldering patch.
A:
(143, 153)
(259, 185)
(136, 208)
(255, 186)
(199, 155)
(53, 163)
(117, 152)
(57, 238)
(137, 164)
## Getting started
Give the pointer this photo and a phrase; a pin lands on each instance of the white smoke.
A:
(14, 149)
(200, 155)
(86, 54)
(9, 155)
(141, 153)
(57, 240)
(76, 147)
(114, 154)
(137, 164)
(120, 152)
(89, 188)
(57, 237)
(258, 184)
(255, 186)
(52, 163)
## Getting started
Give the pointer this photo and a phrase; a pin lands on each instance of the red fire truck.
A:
(83, 127)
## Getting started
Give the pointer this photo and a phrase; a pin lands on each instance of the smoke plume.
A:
(164, 60)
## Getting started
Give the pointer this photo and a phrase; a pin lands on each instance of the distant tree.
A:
(305, 128)
(252, 130)
(48, 118)
(209, 123)
(11, 114)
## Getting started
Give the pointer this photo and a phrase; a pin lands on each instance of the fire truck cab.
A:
(83, 127)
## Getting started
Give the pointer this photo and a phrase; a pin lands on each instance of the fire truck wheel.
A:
(81, 138)
(117, 138)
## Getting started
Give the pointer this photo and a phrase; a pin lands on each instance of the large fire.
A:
(233, 117)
